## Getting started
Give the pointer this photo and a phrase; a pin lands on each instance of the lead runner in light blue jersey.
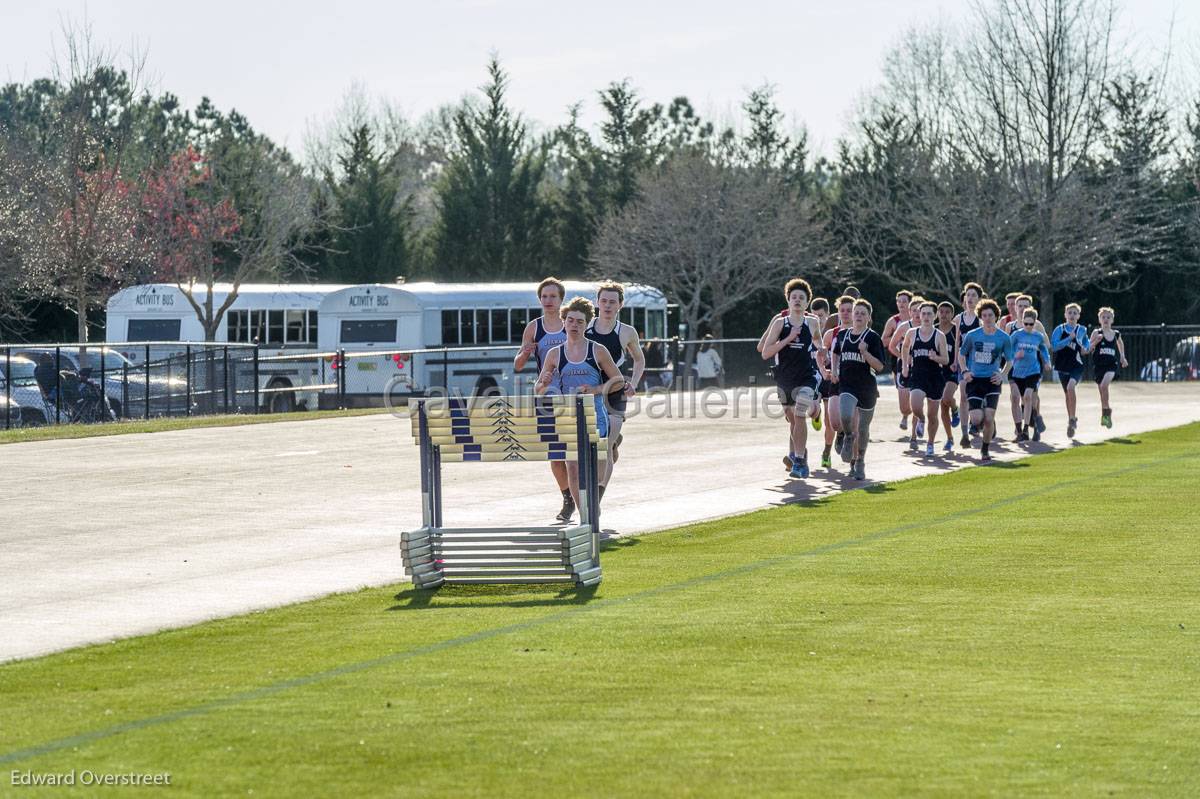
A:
(1031, 356)
(985, 356)
(580, 366)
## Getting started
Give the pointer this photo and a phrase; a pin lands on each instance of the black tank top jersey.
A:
(923, 365)
(853, 370)
(964, 328)
(544, 341)
(611, 341)
(951, 347)
(795, 362)
(1105, 357)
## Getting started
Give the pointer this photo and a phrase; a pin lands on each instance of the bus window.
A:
(312, 328)
(449, 328)
(466, 327)
(237, 325)
(274, 327)
(482, 333)
(656, 324)
(258, 326)
(500, 327)
(153, 330)
(294, 327)
(368, 331)
(518, 318)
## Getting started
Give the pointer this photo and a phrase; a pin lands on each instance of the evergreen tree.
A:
(494, 223)
(369, 233)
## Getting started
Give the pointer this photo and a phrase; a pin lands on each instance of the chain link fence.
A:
(53, 384)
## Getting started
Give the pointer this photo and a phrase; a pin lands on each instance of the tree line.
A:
(1023, 150)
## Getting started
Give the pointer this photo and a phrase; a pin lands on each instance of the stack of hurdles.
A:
(505, 430)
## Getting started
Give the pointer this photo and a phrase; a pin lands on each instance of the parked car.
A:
(122, 379)
(10, 411)
(36, 408)
(1184, 363)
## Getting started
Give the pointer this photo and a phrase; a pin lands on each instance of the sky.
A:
(288, 65)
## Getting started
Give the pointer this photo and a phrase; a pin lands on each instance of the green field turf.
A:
(1029, 629)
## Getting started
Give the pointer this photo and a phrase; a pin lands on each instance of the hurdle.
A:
(505, 429)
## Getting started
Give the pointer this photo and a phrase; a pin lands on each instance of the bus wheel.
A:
(486, 387)
(281, 401)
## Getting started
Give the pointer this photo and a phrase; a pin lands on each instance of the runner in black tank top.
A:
(790, 343)
(623, 346)
(972, 293)
(1108, 358)
(923, 354)
(949, 404)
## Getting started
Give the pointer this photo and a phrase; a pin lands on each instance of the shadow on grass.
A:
(494, 596)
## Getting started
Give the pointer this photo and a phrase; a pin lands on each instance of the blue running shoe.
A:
(804, 467)
(797, 470)
(948, 446)
(954, 416)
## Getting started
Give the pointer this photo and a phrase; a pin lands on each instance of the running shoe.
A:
(1017, 434)
(847, 449)
(804, 467)
(1037, 434)
(920, 429)
(973, 429)
(1022, 435)
(838, 440)
(858, 471)
(929, 450)
(1039, 425)
(796, 470)
(948, 446)
(913, 445)
(826, 460)
(787, 461)
(816, 420)
(984, 457)
(954, 416)
(966, 441)
(903, 422)
(568, 509)
(1106, 419)
(1071, 428)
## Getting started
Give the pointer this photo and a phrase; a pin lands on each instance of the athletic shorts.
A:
(982, 393)
(1075, 374)
(950, 376)
(932, 385)
(1099, 376)
(867, 395)
(898, 378)
(1023, 384)
(617, 402)
(787, 389)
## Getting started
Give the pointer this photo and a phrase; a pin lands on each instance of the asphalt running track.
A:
(110, 537)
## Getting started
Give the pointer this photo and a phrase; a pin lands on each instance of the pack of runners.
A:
(825, 360)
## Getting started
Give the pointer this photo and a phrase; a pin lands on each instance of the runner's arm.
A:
(633, 346)
(526, 350)
(547, 375)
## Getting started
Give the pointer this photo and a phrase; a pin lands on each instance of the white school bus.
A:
(474, 328)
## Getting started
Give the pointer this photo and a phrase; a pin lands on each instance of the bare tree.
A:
(78, 218)
(710, 236)
(1032, 99)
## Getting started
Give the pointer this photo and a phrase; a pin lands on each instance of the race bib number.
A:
(983, 356)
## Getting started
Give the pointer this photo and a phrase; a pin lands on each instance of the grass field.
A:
(1025, 629)
(49, 432)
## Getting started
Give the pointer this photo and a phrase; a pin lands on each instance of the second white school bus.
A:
(383, 328)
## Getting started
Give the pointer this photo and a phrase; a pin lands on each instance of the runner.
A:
(922, 357)
(607, 330)
(1024, 302)
(1108, 354)
(820, 309)
(903, 302)
(792, 340)
(1031, 356)
(858, 355)
(542, 335)
(1011, 314)
(964, 323)
(579, 366)
(834, 429)
(949, 403)
(896, 343)
(1070, 343)
(979, 359)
